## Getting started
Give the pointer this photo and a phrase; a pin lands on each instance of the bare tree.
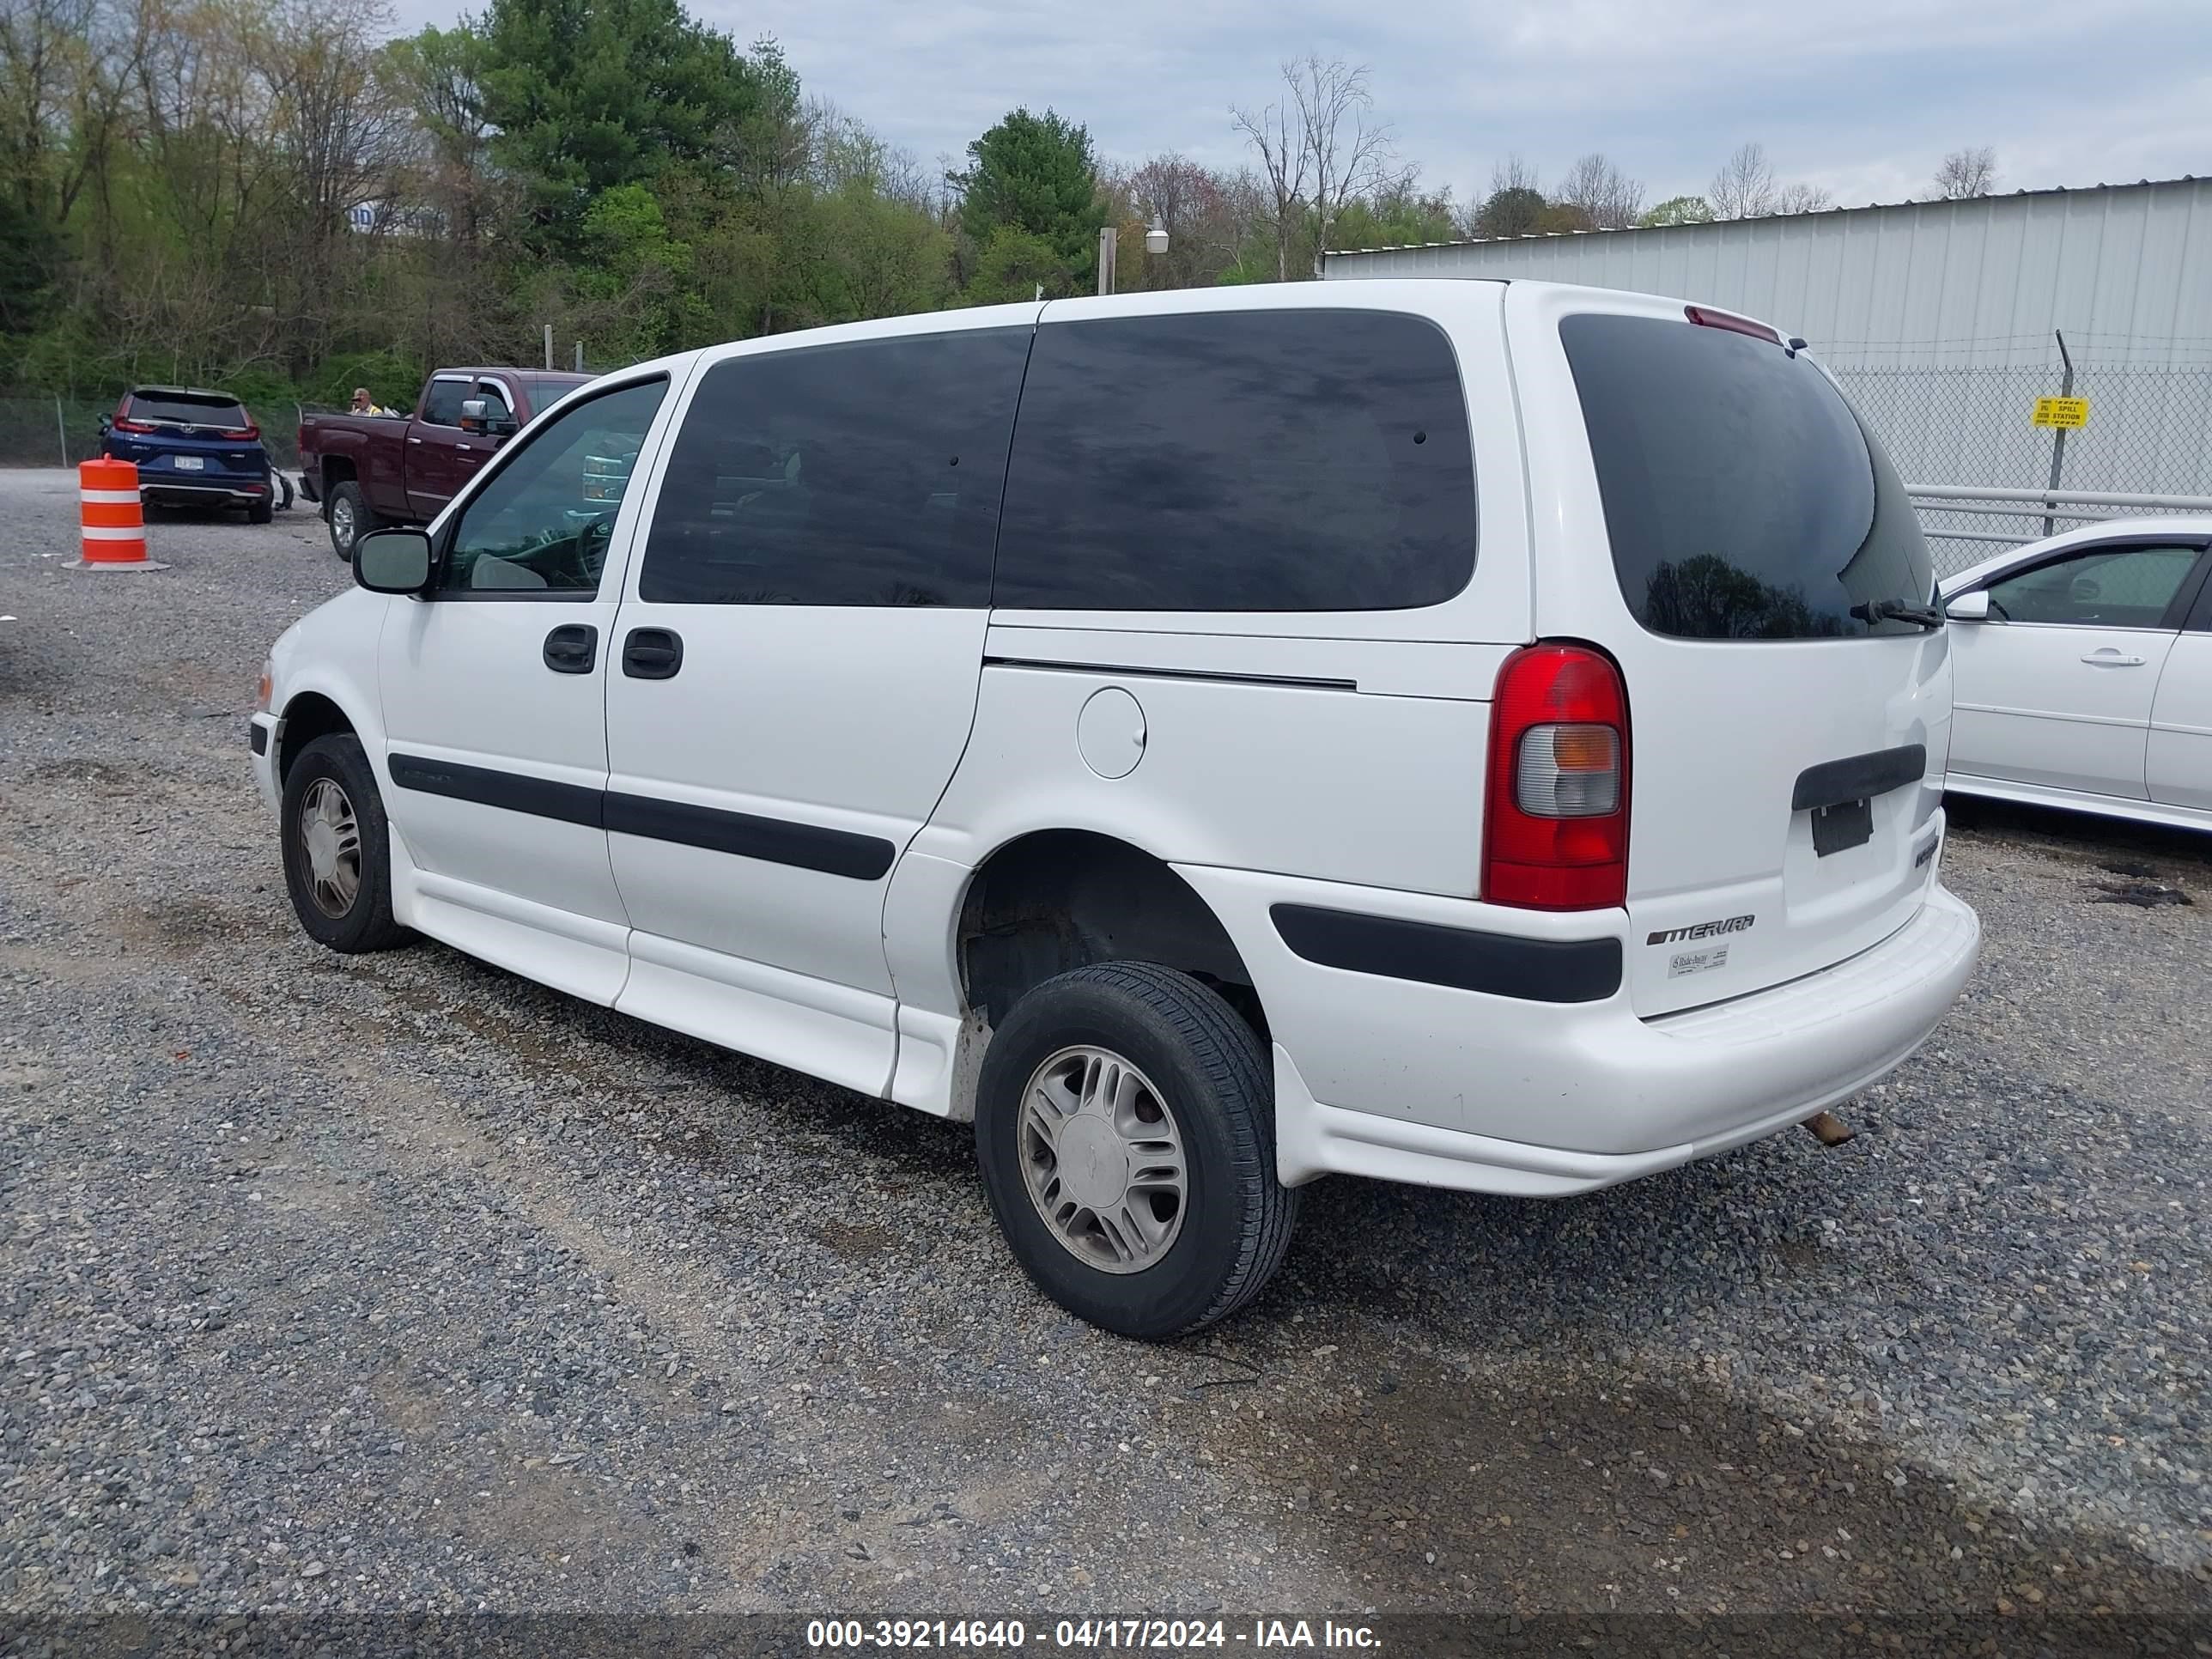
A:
(1744, 188)
(1277, 134)
(1321, 149)
(1801, 199)
(1967, 172)
(1609, 196)
(1513, 207)
(1192, 206)
(1516, 172)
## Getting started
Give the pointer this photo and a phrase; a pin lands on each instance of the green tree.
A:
(1029, 202)
(589, 95)
(1678, 211)
(30, 250)
(1516, 210)
(1400, 217)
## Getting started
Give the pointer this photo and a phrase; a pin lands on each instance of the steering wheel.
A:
(593, 539)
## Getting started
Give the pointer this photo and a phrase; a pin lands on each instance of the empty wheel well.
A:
(306, 717)
(1066, 898)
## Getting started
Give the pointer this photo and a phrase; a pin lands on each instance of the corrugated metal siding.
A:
(2126, 270)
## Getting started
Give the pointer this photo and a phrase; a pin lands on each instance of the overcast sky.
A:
(1862, 97)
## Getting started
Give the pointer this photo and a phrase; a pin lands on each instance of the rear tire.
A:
(337, 848)
(1089, 1215)
(351, 518)
(259, 513)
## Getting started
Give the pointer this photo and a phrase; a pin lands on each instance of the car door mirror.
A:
(472, 416)
(392, 561)
(1969, 607)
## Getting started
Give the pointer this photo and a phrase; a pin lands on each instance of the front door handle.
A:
(572, 649)
(652, 654)
(2109, 657)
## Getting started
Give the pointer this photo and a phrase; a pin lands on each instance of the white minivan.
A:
(1480, 734)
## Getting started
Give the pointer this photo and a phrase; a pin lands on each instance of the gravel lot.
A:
(399, 1282)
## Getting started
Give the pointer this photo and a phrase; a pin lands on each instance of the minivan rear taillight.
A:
(1556, 837)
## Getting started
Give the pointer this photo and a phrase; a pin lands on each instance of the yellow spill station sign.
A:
(2061, 411)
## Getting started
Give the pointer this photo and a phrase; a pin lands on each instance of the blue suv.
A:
(192, 449)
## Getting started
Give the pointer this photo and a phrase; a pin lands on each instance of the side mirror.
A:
(107, 424)
(472, 414)
(392, 561)
(1969, 607)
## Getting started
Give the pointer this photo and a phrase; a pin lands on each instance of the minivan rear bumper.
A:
(1410, 1081)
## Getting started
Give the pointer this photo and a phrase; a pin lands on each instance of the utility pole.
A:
(549, 346)
(1107, 235)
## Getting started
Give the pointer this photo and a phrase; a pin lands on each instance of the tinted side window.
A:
(441, 403)
(1283, 460)
(861, 474)
(2099, 586)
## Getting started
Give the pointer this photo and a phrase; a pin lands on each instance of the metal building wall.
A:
(1938, 318)
(2126, 270)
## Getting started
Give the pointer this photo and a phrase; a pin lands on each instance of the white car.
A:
(2083, 672)
(1480, 735)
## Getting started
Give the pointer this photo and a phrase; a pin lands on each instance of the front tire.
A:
(337, 848)
(1125, 1127)
(351, 518)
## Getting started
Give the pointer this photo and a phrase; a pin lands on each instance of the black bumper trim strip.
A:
(256, 736)
(1860, 777)
(1499, 964)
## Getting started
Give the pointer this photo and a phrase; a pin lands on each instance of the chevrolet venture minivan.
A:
(1480, 734)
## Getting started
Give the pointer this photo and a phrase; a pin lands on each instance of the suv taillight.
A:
(124, 424)
(1556, 837)
(249, 430)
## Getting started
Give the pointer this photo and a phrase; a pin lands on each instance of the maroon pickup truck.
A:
(369, 470)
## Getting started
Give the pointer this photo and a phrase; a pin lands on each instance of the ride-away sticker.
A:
(1697, 962)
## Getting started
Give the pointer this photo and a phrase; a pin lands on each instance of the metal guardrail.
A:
(2043, 508)
(2072, 497)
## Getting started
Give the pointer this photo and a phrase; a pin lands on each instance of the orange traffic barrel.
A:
(114, 524)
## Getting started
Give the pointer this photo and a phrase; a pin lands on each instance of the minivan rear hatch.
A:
(1732, 535)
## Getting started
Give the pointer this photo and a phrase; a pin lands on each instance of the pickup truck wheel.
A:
(351, 518)
(1124, 1126)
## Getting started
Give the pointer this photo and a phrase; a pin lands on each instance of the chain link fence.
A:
(55, 431)
(2149, 432)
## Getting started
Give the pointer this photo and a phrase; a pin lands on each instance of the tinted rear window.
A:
(1743, 498)
(1278, 460)
(185, 410)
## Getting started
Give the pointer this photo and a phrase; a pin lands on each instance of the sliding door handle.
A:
(652, 654)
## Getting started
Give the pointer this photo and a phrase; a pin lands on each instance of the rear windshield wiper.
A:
(1881, 610)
